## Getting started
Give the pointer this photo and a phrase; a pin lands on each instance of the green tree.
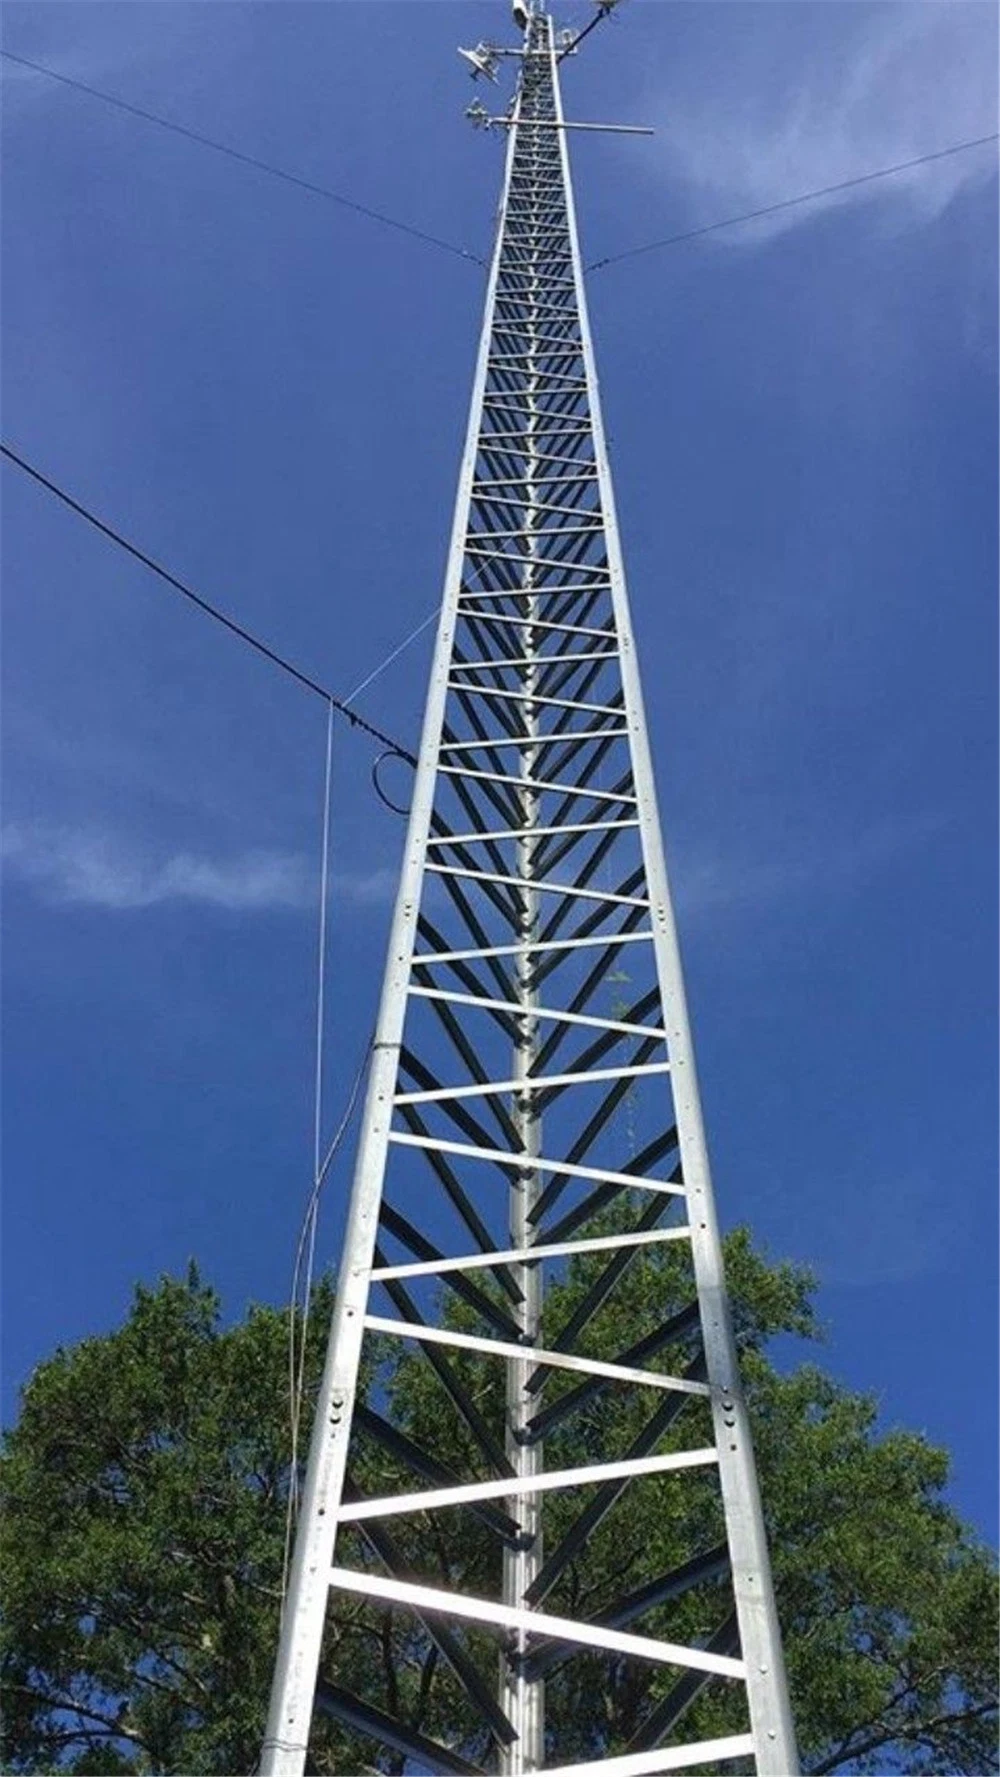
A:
(144, 1497)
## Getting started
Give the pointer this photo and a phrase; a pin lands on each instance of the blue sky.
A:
(268, 393)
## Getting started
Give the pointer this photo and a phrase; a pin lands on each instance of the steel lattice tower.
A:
(533, 1113)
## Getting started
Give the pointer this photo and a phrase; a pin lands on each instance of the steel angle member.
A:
(556, 1360)
(527, 1255)
(344, 1706)
(475, 1493)
(452, 997)
(550, 944)
(505, 1616)
(568, 890)
(446, 839)
(602, 1174)
(531, 1083)
(669, 1758)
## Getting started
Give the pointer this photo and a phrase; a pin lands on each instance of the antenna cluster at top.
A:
(485, 61)
(486, 57)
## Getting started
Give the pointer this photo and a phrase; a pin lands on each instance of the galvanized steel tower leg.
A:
(521, 1698)
(491, 1143)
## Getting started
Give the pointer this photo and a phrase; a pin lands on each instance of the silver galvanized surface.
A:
(533, 882)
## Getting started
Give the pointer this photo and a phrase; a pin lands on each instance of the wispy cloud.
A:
(713, 880)
(94, 867)
(788, 111)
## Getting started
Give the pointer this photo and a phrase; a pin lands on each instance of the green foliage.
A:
(142, 1541)
(144, 1494)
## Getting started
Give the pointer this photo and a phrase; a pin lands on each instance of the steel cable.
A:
(788, 203)
(249, 160)
(210, 610)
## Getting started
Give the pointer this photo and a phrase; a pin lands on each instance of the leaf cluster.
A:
(144, 1501)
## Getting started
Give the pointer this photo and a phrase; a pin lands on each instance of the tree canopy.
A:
(144, 1493)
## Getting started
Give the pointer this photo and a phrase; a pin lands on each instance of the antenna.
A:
(483, 60)
(551, 1269)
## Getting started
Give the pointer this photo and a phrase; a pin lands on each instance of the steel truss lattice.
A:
(533, 1114)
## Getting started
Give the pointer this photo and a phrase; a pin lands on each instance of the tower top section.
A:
(485, 59)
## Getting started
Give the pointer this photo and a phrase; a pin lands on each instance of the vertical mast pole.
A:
(522, 1698)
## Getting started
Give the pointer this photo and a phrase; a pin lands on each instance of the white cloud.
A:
(711, 881)
(366, 888)
(93, 867)
(791, 109)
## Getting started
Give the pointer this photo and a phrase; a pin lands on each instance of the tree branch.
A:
(70, 1706)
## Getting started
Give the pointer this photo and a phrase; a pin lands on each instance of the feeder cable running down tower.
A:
(522, 1127)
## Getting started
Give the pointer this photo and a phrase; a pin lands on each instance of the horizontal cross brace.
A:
(516, 481)
(553, 303)
(470, 999)
(511, 592)
(530, 1162)
(531, 832)
(544, 286)
(526, 443)
(544, 260)
(703, 1753)
(544, 376)
(528, 229)
(525, 744)
(554, 532)
(547, 471)
(513, 272)
(468, 956)
(433, 1499)
(538, 364)
(526, 217)
(557, 1360)
(529, 381)
(566, 629)
(536, 784)
(539, 888)
(531, 1083)
(547, 373)
(542, 247)
(525, 406)
(508, 1616)
(521, 328)
(522, 355)
(521, 224)
(531, 451)
(546, 409)
(581, 430)
(520, 312)
(563, 350)
(539, 561)
(543, 264)
(531, 1255)
(550, 508)
(547, 342)
(533, 699)
(468, 666)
